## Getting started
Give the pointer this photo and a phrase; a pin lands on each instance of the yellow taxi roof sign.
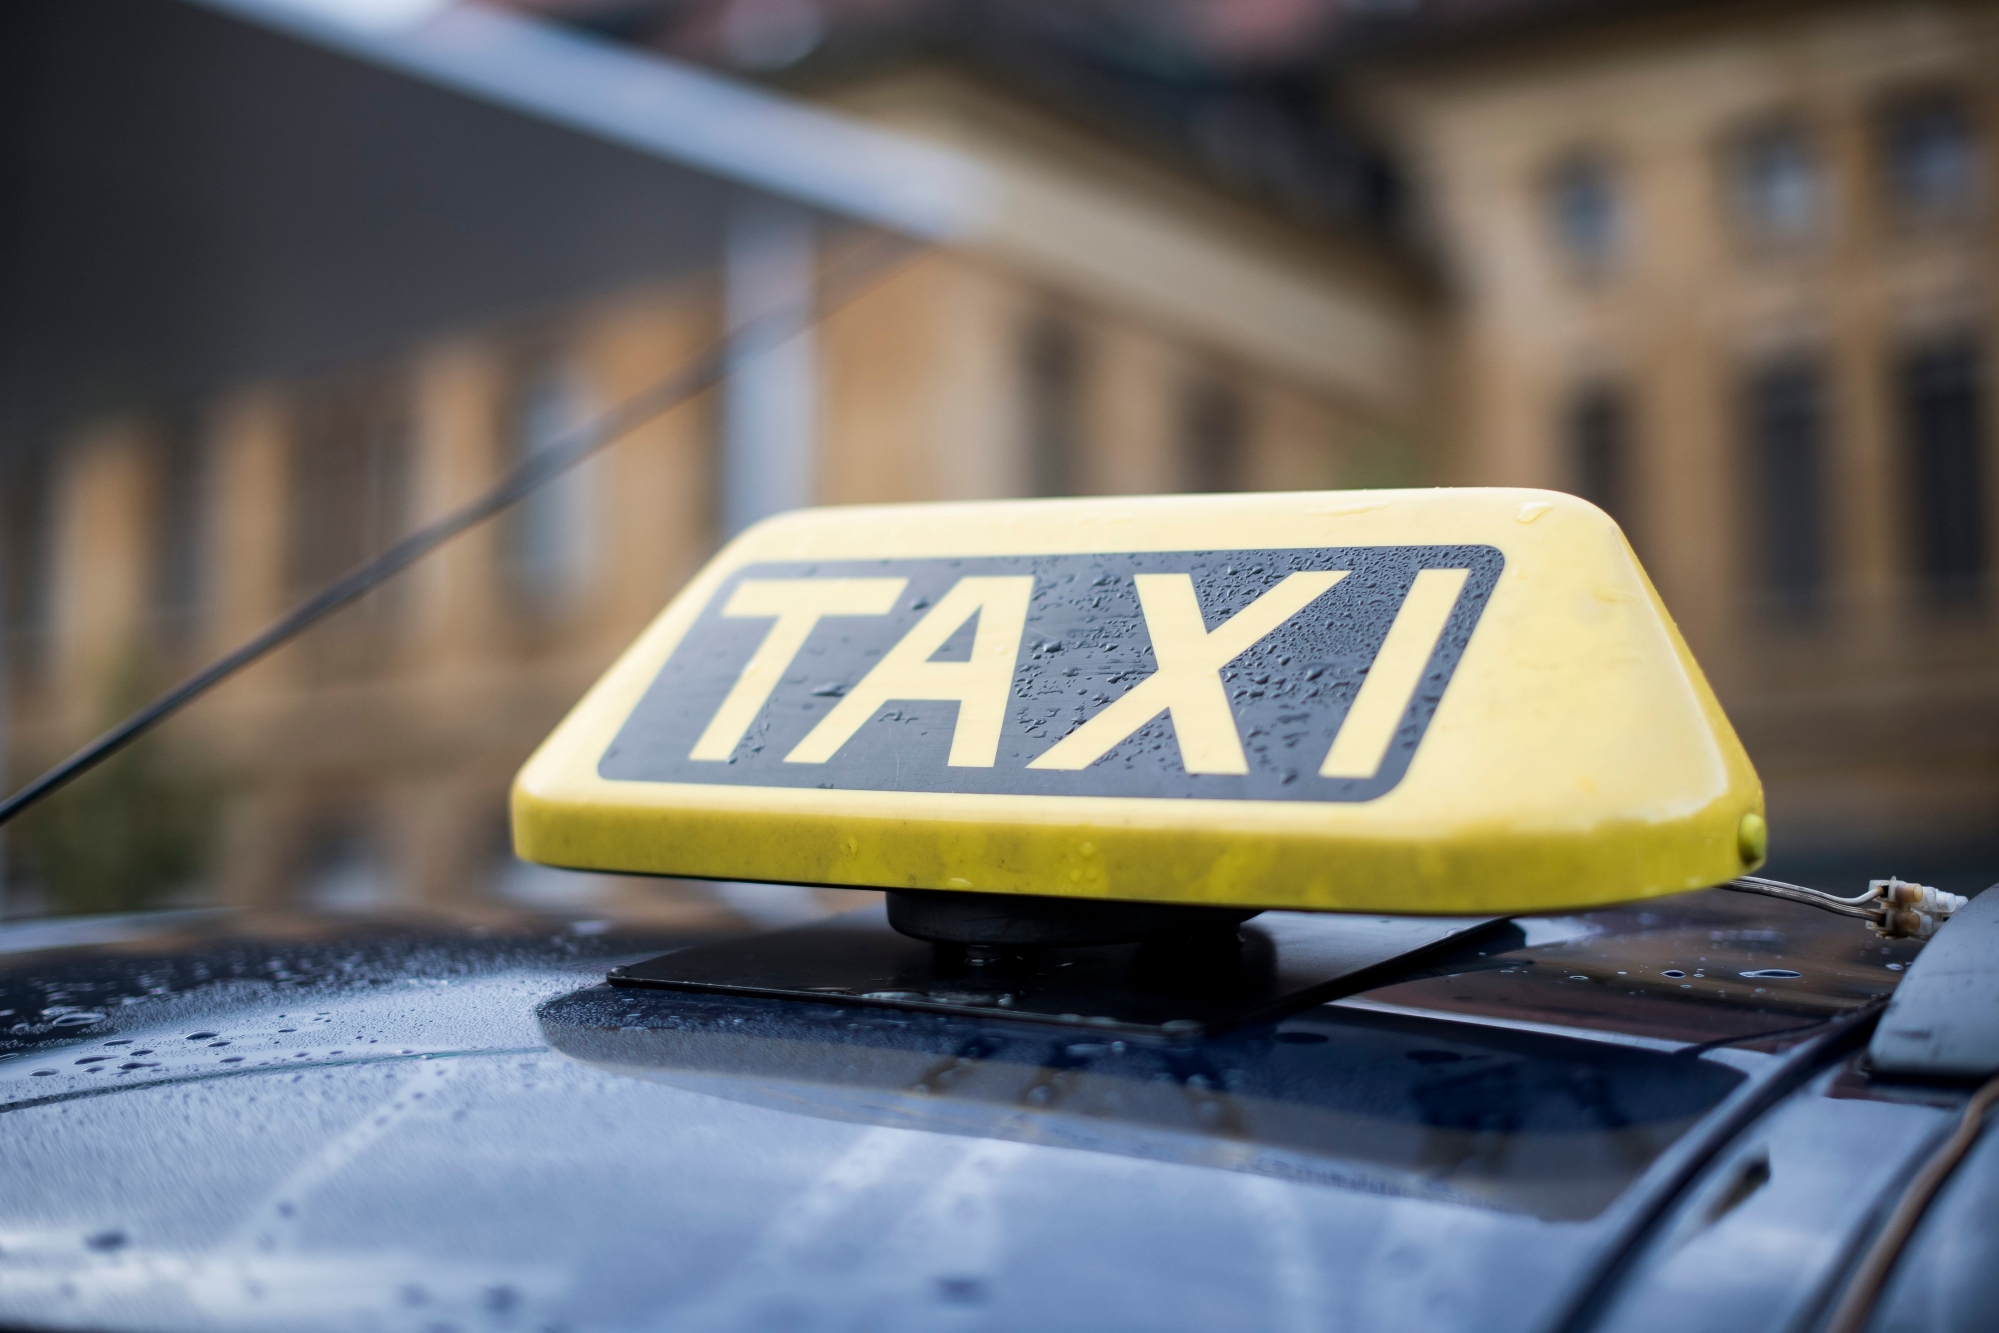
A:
(1437, 701)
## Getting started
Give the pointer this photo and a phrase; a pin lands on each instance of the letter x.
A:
(1188, 683)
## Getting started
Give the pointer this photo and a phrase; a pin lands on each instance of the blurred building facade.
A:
(367, 763)
(1726, 269)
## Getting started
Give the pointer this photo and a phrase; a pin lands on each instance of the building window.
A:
(1214, 433)
(27, 514)
(1585, 212)
(1599, 436)
(1943, 416)
(1053, 366)
(1931, 155)
(1786, 409)
(180, 526)
(553, 538)
(1776, 183)
(352, 465)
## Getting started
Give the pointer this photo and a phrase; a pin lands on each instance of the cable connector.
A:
(1912, 911)
(1897, 908)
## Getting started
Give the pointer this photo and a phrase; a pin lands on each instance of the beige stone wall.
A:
(925, 392)
(1878, 723)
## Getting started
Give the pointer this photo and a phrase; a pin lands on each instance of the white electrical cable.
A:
(1873, 889)
(1899, 909)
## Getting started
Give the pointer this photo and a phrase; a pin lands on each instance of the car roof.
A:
(305, 1122)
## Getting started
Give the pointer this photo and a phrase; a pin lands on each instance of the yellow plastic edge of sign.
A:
(1132, 849)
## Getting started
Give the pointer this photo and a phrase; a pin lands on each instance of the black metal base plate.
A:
(1176, 989)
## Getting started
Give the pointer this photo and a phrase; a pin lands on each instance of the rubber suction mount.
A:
(1019, 921)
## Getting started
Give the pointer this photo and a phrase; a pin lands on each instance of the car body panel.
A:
(401, 1141)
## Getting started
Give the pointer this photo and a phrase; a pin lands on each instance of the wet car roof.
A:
(313, 1123)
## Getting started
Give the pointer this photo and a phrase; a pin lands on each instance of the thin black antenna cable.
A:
(846, 278)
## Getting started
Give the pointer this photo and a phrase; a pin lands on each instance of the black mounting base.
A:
(1175, 985)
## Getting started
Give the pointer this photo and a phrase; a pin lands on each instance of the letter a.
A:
(797, 606)
(1188, 683)
(980, 685)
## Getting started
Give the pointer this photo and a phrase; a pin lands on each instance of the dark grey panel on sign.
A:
(1084, 645)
